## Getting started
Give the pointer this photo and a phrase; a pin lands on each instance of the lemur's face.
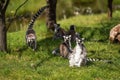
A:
(79, 40)
(67, 38)
(30, 38)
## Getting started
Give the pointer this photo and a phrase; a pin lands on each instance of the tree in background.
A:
(51, 13)
(3, 29)
(110, 8)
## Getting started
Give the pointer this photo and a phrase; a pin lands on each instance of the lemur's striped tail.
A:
(94, 60)
(35, 17)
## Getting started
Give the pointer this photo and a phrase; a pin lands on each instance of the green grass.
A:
(21, 63)
(29, 7)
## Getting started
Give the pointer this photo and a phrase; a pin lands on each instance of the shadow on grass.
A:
(18, 50)
(48, 45)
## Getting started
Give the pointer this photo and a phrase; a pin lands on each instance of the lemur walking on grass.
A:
(30, 33)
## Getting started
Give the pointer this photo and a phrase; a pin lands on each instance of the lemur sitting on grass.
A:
(78, 57)
(61, 33)
(64, 47)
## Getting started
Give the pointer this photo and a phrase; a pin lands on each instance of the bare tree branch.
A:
(110, 8)
(19, 7)
(15, 14)
(5, 5)
(2, 3)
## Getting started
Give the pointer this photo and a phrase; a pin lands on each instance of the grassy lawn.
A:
(30, 6)
(21, 63)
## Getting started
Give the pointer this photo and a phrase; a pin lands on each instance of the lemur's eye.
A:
(66, 37)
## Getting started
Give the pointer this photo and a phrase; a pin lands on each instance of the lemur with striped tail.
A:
(78, 56)
(30, 33)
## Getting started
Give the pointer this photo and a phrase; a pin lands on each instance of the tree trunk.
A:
(51, 14)
(3, 31)
(3, 34)
(110, 9)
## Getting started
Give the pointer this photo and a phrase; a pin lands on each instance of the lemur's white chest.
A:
(78, 50)
(77, 54)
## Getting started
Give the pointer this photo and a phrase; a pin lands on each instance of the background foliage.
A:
(68, 6)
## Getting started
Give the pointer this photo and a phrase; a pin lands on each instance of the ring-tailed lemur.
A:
(31, 39)
(79, 53)
(30, 33)
(64, 48)
(78, 56)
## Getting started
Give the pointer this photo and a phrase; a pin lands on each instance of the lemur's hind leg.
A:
(55, 51)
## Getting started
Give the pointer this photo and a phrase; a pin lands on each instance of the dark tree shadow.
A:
(39, 63)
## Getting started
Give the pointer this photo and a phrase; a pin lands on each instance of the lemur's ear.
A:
(63, 36)
(72, 27)
(77, 34)
(83, 39)
(76, 38)
(69, 36)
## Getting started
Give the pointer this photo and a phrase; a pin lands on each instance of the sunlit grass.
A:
(84, 20)
(30, 6)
